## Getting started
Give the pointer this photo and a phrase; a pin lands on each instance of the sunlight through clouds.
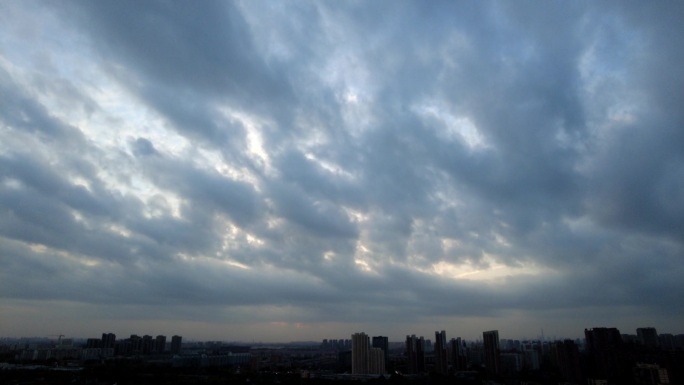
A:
(488, 270)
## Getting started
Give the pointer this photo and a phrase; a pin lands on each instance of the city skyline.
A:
(604, 355)
(646, 336)
(289, 171)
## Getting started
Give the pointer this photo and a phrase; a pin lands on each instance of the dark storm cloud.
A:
(348, 161)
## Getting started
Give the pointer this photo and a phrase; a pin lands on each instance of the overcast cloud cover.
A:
(282, 171)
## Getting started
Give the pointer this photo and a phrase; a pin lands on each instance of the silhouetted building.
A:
(176, 342)
(459, 359)
(475, 353)
(335, 344)
(647, 337)
(160, 344)
(565, 356)
(415, 354)
(666, 341)
(410, 350)
(440, 352)
(122, 348)
(629, 338)
(147, 344)
(679, 341)
(491, 351)
(604, 348)
(360, 353)
(381, 342)
(136, 343)
(108, 340)
(93, 343)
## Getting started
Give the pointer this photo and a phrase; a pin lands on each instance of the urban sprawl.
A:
(604, 356)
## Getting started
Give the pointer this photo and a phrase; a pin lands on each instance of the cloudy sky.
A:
(277, 171)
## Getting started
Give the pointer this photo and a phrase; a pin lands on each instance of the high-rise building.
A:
(176, 342)
(441, 365)
(648, 337)
(666, 341)
(492, 351)
(93, 343)
(415, 354)
(565, 356)
(160, 344)
(136, 343)
(381, 342)
(147, 344)
(603, 348)
(679, 341)
(411, 354)
(457, 353)
(376, 361)
(108, 340)
(360, 353)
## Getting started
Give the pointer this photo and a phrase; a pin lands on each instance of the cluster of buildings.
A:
(368, 358)
(135, 345)
(96, 348)
(420, 355)
(605, 355)
(334, 344)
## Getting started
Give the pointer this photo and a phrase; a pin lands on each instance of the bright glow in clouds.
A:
(487, 270)
(454, 127)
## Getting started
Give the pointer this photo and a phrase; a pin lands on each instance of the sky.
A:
(281, 171)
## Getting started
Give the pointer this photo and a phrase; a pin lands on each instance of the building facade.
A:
(492, 351)
(382, 342)
(415, 354)
(360, 353)
(441, 363)
(648, 337)
(176, 342)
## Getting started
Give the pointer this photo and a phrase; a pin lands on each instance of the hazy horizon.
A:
(188, 338)
(278, 170)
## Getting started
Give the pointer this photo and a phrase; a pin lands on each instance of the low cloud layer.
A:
(279, 171)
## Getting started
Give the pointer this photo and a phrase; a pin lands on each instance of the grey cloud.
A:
(21, 112)
(578, 173)
(183, 57)
(207, 46)
(322, 218)
(143, 147)
(206, 189)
